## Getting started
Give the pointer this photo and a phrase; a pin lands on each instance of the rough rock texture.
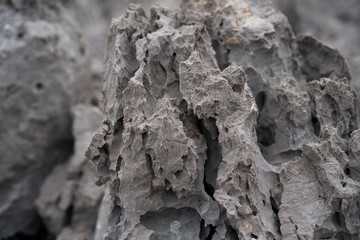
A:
(42, 66)
(220, 124)
(68, 196)
(93, 17)
(334, 22)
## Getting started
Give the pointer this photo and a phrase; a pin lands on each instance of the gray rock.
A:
(42, 66)
(333, 22)
(320, 200)
(216, 126)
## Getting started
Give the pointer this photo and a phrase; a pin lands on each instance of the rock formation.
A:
(220, 124)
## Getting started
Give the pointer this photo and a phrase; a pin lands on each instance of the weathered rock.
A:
(257, 37)
(331, 21)
(195, 146)
(334, 101)
(69, 196)
(42, 66)
(320, 199)
(320, 60)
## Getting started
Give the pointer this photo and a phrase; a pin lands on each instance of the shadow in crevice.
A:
(210, 131)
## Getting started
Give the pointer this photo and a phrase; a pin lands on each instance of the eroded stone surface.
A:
(218, 125)
(331, 21)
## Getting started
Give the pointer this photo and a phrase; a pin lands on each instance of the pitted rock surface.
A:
(218, 126)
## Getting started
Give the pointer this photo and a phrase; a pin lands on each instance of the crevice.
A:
(119, 127)
(231, 234)
(118, 163)
(208, 188)
(338, 220)
(260, 100)
(68, 215)
(213, 152)
(149, 164)
(316, 125)
(314, 120)
(275, 209)
(206, 232)
(114, 218)
(211, 233)
(115, 215)
(221, 54)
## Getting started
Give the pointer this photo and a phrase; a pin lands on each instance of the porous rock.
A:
(216, 129)
(333, 22)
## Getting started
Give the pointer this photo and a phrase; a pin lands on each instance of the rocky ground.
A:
(217, 119)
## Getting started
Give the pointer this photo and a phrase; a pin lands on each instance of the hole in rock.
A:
(254, 236)
(206, 232)
(231, 234)
(260, 100)
(237, 88)
(316, 125)
(118, 163)
(20, 35)
(347, 171)
(39, 86)
(266, 135)
(183, 106)
(221, 54)
(119, 127)
(338, 220)
(68, 215)
(212, 232)
(94, 102)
